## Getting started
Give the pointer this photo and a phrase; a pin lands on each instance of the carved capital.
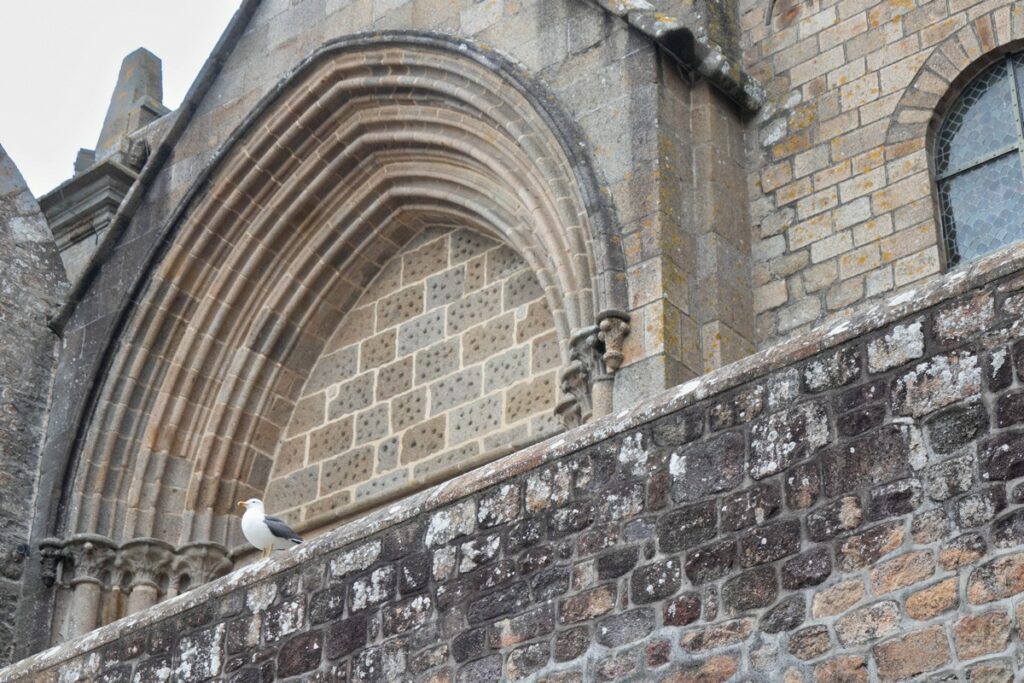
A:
(145, 559)
(587, 365)
(88, 557)
(204, 561)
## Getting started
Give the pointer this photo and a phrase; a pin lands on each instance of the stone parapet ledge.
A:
(964, 321)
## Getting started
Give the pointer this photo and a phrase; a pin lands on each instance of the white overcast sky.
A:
(59, 61)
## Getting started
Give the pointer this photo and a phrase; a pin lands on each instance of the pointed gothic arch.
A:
(367, 143)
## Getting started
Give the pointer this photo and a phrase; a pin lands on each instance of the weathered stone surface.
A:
(625, 628)
(807, 569)
(751, 590)
(833, 370)
(937, 383)
(1008, 530)
(613, 537)
(803, 484)
(903, 343)
(749, 507)
(848, 668)
(778, 441)
(981, 634)
(933, 600)
(961, 551)
(908, 655)
(769, 542)
(874, 458)
(300, 654)
(979, 507)
(950, 477)
(587, 605)
(958, 321)
(707, 467)
(830, 520)
(710, 562)
(682, 610)
(902, 571)
(687, 527)
(892, 500)
(957, 426)
(868, 623)
(867, 547)
(837, 598)
(656, 581)
(787, 615)
(1002, 457)
(996, 579)
(810, 642)
(719, 635)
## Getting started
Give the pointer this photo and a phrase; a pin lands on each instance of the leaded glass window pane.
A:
(978, 164)
(986, 204)
(981, 123)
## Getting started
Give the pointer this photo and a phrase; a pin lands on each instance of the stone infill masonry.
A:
(847, 506)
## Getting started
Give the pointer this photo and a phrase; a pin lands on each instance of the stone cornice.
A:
(690, 36)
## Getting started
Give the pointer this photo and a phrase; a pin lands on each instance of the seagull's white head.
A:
(251, 504)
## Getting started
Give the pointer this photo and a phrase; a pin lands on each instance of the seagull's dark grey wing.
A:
(280, 529)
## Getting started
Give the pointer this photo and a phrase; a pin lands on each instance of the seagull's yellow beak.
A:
(241, 503)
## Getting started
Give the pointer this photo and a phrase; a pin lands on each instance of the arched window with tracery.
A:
(979, 163)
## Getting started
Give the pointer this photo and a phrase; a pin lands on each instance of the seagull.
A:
(263, 531)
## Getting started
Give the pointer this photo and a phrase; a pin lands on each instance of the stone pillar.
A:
(89, 557)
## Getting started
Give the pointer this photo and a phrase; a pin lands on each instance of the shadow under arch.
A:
(370, 140)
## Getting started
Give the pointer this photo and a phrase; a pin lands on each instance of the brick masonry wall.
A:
(849, 506)
(449, 354)
(33, 281)
(842, 197)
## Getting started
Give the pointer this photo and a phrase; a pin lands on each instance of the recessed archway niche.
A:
(374, 150)
(449, 357)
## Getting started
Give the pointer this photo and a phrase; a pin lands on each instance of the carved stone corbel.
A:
(51, 554)
(614, 326)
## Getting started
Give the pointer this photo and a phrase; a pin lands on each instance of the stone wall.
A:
(32, 282)
(846, 506)
(449, 354)
(842, 197)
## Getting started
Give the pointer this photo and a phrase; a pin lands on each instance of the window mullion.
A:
(1016, 110)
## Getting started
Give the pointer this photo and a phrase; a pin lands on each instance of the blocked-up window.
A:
(978, 164)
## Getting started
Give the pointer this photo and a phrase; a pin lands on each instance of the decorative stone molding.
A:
(146, 569)
(584, 363)
(595, 355)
